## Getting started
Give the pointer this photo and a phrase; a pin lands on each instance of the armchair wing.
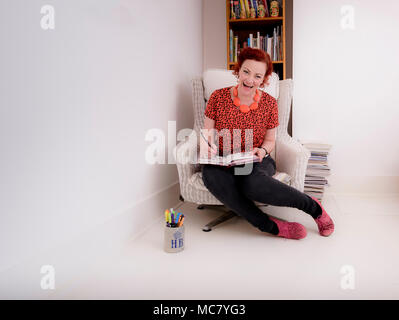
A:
(192, 187)
(292, 158)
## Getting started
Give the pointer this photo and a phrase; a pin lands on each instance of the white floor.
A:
(360, 260)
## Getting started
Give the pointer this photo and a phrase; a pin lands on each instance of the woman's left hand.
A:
(261, 153)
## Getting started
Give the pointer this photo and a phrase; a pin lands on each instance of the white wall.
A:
(214, 31)
(76, 103)
(346, 85)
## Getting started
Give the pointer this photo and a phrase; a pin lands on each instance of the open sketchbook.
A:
(233, 159)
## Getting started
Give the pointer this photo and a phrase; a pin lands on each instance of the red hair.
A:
(249, 53)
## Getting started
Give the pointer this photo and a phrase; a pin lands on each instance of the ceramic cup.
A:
(174, 239)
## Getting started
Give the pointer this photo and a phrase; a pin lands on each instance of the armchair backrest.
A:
(212, 79)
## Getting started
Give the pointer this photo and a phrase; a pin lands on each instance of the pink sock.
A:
(324, 222)
(290, 230)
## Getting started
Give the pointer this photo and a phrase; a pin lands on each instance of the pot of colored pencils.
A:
(174, 231)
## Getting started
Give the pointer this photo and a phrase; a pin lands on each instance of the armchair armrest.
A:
(292, 158)
(186, 153)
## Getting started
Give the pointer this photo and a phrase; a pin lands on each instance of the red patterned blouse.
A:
(233, 125)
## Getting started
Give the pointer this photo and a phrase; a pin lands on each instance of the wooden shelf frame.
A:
(254, 23)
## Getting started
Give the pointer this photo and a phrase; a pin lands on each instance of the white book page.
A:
(241, 156)
(212, 160)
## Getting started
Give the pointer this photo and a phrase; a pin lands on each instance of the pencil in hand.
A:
(211, 151)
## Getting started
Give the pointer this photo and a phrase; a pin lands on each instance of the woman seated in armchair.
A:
(255, 114)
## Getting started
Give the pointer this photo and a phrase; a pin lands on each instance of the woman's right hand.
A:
(206, 151)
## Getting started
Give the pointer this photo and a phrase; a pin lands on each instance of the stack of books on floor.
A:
(317, 170)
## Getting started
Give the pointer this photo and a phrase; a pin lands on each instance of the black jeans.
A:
(238, 192)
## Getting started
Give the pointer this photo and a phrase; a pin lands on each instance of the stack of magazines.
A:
(317, 169)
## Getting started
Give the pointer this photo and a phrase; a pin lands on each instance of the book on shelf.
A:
(247, 13)
(271, 44)
(244, 9)
(230, 160)
(235, 49)
(236, 4)
(231, 44)
(241, 8)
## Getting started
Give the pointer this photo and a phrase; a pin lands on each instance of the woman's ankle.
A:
(316, 209)
(274, 230)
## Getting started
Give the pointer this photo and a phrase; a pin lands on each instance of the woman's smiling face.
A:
(252, 73)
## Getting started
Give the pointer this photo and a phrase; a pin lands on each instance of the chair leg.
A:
(227, 215)
(212, 207)
(224, 217)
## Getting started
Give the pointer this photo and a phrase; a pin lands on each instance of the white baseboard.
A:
(74, 257)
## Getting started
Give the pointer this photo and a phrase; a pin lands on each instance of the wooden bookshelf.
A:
(243, 27)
